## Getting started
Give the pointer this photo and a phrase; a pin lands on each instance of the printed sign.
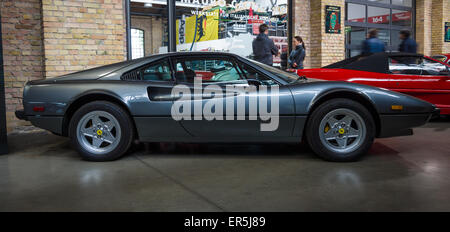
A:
(203, 27)
(384, 19)
(333, 19)
(447, 32)
(348, 29)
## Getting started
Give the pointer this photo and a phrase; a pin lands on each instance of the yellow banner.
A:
(207, 28)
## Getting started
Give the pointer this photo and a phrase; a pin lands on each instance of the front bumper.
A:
(436, 113)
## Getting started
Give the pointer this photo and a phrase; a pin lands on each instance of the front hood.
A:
(382, 99)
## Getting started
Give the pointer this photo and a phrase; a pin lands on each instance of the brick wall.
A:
(22, 51)
(158, 33)
(446, 17)
(441, 14)
(316, 33)
(423, 26)
(325, 48)
(301, 23)
(82, 34)
(47, 38)
(445, 47)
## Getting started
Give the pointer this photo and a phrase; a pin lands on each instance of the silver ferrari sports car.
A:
(215, 97)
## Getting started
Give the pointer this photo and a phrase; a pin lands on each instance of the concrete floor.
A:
(43, 173)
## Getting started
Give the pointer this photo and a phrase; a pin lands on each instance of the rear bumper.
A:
(50, 123)
(401, 124)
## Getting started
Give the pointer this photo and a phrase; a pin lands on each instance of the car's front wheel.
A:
(101, 131)
(340, 130)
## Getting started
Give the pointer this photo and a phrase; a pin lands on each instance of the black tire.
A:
(126, 125)
(319, 148)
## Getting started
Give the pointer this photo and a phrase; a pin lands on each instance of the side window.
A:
(431, 67)
(417, 66)
(251, 73)
(440, 58)
(407, 65)
(207, 70)
(157, 72)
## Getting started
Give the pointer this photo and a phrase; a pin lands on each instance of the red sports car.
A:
(412, 74)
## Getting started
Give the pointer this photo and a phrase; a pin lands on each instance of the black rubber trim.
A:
(20, 114)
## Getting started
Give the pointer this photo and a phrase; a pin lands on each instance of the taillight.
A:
(38, 109)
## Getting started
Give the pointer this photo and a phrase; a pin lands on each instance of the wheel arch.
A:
(92, 96)
(348, 94)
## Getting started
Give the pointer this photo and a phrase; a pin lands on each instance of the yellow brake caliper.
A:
(327, 128)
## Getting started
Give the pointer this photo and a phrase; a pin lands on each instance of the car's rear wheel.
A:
(101, 131)
(340, 130)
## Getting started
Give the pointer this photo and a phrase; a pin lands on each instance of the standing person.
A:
(297, 56)
(263, 47)
(407, 44)
(372, 44)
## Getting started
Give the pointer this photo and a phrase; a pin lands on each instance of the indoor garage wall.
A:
(440, 15)
(47, 38)
(22, 51)
(309, 22)
(302, 26)
(82, 34)
(430, 18)
(153, 32)
(423, 26)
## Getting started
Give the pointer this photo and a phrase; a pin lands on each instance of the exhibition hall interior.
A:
(224, 106)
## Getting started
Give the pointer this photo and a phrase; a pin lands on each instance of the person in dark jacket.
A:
(284, 59)
(407, 44)
(263, 47)
(372, 44)
(297, 56)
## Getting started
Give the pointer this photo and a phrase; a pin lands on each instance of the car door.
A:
(235, 93)
(153, 114)
(421, 77)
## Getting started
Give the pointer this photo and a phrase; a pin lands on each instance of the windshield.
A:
(286, 76)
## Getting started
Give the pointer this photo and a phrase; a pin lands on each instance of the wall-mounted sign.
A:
(447, 32)
(333, 19)
(384, 19)
(347, 29)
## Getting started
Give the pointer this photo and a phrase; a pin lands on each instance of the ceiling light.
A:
(147, 5)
